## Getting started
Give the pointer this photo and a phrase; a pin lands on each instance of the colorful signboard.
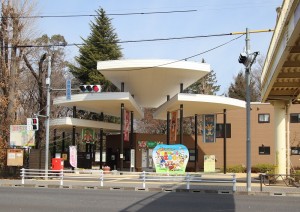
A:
(20, 136)
(147, 144)
(170, 158)
(209, 128)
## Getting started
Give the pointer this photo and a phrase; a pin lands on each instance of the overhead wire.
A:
(93, 15)
(141, 40)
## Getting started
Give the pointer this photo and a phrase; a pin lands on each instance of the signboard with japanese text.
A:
(170, 158)
(20, 136)
(73, 156)
(15, 157)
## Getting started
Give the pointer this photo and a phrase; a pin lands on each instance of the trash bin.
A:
(57, 164)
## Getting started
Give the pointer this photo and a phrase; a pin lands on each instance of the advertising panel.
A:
(170, 158)
(209, 128)
(20, 136)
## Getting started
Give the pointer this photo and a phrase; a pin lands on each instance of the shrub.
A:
(236, 169)
(263, 168)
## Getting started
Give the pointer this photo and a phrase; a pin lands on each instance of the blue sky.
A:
(211, 17)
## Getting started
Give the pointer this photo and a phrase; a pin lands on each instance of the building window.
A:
(295, 150)
(264, 150)
(264, 118)
(220, 131)
(295, 117)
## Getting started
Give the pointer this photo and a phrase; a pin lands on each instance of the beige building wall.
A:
(261, 134)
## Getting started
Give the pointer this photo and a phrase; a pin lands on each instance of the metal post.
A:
(196, 141)
(74, 130)
(101, 147)
(63, 142)
(131, 141)
(122, 137)
(54, 143)
(248, 142)
(47, 118)
(101, 178)
(168, 123)
(225, 136)
(144, 179)
(122, 86)
(23, 176)
(181, 87)
(181, 123)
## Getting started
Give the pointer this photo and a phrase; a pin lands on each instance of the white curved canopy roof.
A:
(68, 122)
(107, 102)
(150, 81)
(198, 104)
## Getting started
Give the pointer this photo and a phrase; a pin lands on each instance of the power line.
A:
(186, 58)
(93, 15)
(142, 40)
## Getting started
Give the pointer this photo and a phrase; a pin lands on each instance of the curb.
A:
(139, 189)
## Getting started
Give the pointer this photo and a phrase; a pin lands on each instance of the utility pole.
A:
(47, 118)
(248, 146)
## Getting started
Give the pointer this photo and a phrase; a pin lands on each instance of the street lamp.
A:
(248, 59)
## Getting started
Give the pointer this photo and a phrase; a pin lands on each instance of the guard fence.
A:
(143, 179)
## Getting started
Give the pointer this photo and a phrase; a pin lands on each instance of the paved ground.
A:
(131, 181)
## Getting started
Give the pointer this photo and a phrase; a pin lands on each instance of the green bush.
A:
(263, 168)
(236, 169)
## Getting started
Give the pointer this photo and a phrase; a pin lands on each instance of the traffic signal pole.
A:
(47, 118)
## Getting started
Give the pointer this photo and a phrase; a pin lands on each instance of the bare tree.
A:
(13, 34)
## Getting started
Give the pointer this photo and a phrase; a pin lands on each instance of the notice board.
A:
(15, 157)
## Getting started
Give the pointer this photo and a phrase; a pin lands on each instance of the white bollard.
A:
(101, 178)
(23, 176)
(234, 183)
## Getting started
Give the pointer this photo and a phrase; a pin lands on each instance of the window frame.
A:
(264, 121)
(293, 120)
(264, 150)
(221, 134)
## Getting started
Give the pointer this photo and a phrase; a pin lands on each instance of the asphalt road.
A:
(77, 200)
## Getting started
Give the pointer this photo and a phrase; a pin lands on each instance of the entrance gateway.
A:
(148, 84)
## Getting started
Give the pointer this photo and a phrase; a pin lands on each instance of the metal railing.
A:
(105, 177)
(278, 179)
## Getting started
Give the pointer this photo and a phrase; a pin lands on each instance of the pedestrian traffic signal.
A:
(35, 124)
(90, 88)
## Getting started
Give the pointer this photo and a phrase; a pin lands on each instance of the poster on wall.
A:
(209, 128)
(126, 125)
(20, 136)
(170, 158)
(209, 163)
(88, 135)
(173, 131)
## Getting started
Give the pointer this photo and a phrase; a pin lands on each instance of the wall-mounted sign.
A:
(88, 135)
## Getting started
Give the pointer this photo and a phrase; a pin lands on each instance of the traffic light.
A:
(35, 124)
(90, 88)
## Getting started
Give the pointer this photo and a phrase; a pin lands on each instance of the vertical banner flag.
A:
(126, 125)
(209, 128)
(88, 135)
(73, 156)
(173, 131)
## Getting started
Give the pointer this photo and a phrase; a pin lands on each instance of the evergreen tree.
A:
(100, 45)
(205, 85)
(237, 89)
